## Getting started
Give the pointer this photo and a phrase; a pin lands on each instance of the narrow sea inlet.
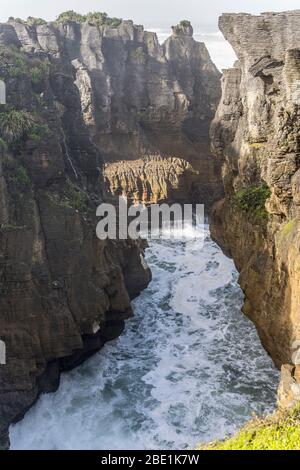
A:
(189, 367)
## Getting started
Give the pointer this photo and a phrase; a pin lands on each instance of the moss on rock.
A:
(287, 229)
(253, 199)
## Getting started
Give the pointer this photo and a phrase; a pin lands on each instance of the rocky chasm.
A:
(107, 109)
(79, 95)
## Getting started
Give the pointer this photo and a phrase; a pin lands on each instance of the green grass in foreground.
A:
(279, 431)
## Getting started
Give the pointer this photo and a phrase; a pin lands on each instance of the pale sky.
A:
(157, 15)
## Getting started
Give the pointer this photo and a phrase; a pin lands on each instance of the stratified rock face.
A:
(63, 292)
(142, 100)
(153, 179)
(256, 134)
(289, 386)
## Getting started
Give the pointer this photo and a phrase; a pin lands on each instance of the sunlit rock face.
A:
(256, 134)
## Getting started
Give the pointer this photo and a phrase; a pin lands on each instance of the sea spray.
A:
(188, 368)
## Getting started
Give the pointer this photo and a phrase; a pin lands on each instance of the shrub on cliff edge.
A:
(70, 15)
(96, 18)
(185, 23)
(32, 21)
(15, 124)
(253, 199)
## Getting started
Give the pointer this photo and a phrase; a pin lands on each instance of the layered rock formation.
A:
(165, 97)
(144, 103)
(80, 93)
(154, 179)
(256, 134)
(63, 292)
(177, 97)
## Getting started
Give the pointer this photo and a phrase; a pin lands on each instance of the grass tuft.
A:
(287, 229)
(280, 431)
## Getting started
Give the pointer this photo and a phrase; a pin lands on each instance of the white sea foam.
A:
(188, 368)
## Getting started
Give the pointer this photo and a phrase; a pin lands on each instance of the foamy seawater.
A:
(188, 368)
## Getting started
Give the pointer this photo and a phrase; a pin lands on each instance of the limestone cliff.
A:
(63, 292)
(145, 104)
(256, 134)
(80, 93)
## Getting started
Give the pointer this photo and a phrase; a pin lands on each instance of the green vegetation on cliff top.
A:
(96, 18)
(280, 431)
(185, 23)
(31, 20)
